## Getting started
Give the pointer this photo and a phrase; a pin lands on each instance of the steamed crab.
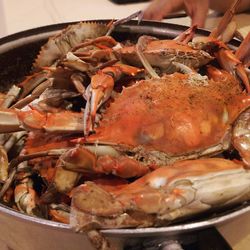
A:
(152, 123)
(158, 198)
(209, 135)
(175, 133)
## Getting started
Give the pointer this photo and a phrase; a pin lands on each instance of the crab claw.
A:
(101, 160)
(164, 195)
(232, 64)
(101, 87)
(187, 35)
(225, 21)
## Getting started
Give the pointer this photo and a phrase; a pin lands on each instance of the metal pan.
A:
(20, 231)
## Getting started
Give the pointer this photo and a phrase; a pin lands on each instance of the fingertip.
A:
(199, 24)
(151, 16)
(199, 21)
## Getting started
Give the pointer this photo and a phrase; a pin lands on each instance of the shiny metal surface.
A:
(21, 231)
(140, 232)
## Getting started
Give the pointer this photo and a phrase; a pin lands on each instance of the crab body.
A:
(161, 53)
(153, 122)
(178, 116)
(58, 45)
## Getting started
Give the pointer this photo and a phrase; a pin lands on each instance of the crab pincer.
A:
(93, 160)
(186, 188)
(100, 89)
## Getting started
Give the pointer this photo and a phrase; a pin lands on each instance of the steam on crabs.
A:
(129, 134)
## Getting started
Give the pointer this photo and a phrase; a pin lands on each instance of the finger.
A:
(199, 20)
(197, 10)
(160, 8)
(200, 15)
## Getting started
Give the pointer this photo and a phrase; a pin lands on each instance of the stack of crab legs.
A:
(123, 134)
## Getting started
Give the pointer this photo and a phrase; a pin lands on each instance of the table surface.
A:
(16, 15)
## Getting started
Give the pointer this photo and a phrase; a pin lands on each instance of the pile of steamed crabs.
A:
(114, 134)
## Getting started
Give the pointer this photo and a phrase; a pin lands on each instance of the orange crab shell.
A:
(162, 52)
(176, 115)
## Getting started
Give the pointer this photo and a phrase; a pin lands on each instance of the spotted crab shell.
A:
(161, 53)
(177, 117)
(61, 43)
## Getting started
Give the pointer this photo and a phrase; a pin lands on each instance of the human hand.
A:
(196, 9)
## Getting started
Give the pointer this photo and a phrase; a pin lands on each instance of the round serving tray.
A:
(17, 53)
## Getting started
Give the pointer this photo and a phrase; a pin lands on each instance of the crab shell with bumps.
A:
(158, 121)
(58, 45)
(162, 53)
(179, 116)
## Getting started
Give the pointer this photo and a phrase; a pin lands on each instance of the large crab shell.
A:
(68, 38)
(161, 53)
(176, 117)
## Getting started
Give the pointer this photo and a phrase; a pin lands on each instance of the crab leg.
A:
(4, 164)
(16, 120)
(226, 58)
(10, 97)
(31, 82)
(34, 94)
(7, 141)
(78, 80)
(14, 165)
(13, 139)
(187, 35)
(140, 46)
(243, 52)
(59, 212)
(226, 19)
(92, 160)
(231, 63)
(25, 195)
(103, 42)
